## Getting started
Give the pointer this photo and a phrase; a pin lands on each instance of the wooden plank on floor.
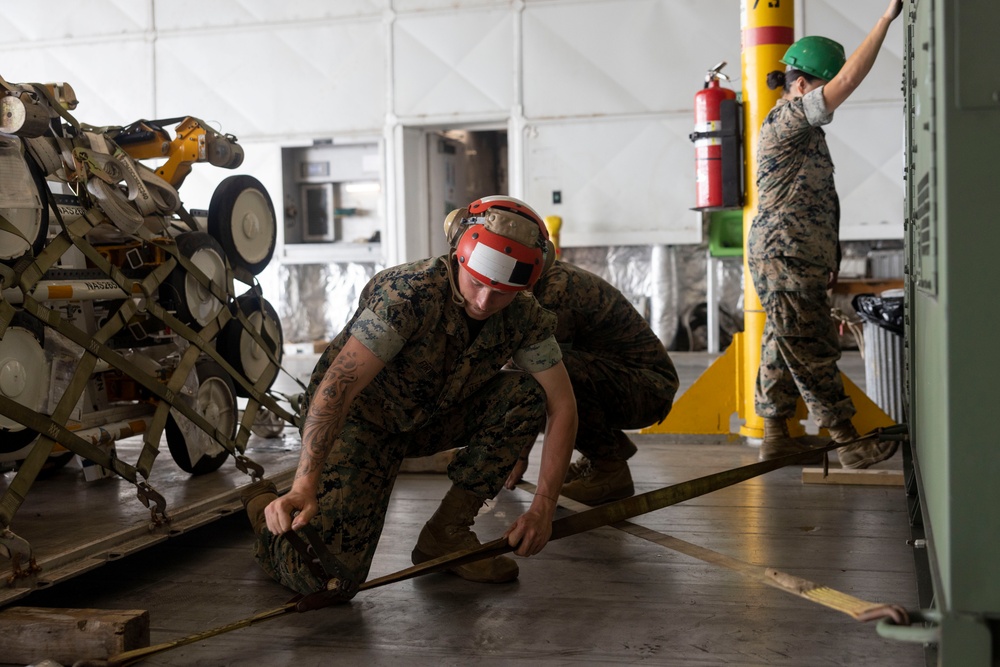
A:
(867, 477)
(32, 634)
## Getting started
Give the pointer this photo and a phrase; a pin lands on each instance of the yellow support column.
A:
(707, 405)
(768, 31)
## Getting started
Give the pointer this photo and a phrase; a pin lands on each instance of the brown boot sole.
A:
(871, 460)
(417, 557)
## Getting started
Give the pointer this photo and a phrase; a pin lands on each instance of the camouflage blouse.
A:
(596, 317)
(798, 213)
(407, 318)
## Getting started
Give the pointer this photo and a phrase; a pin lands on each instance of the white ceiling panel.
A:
(630, 56)
(866, 142)
(189, 14)
(622, 182)
(53, 20)
(113, 95)
(291, 81)
(453, 64)
(848, 22)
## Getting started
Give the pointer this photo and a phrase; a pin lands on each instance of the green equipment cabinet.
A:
(952, 113)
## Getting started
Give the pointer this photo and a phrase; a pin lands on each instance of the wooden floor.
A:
(602, 597)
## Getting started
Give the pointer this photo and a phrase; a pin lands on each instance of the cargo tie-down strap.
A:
(612, 514)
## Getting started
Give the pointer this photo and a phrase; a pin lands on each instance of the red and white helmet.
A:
(500, 241)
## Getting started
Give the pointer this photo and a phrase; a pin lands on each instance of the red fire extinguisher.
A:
(708, 140)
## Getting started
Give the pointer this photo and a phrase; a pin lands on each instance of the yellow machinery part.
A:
(194, 143)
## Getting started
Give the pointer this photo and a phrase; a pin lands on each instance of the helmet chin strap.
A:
(456, 294)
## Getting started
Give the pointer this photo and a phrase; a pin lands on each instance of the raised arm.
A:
(854, 71)
(531, 531)
(351, 371)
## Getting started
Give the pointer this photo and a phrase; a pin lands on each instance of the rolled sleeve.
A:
(375, 334)
(540, 356)
(814, 106)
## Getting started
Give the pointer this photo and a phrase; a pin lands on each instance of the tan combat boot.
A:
(777, 442)
(450, 530)
(255, 498)
(577, 468)
(600, 482)
(859, 454)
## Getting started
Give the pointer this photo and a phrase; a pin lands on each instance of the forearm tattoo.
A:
(326, 414)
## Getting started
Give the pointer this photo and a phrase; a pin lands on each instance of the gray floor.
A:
(602, 597)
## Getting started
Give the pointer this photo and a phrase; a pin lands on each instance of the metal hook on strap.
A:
(249, 466)
(928, 632)
(156, 503)
(17, 549)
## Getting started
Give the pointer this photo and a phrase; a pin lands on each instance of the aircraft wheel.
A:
(194, 450)
(242, 352)
(182, 293)
(241, 216)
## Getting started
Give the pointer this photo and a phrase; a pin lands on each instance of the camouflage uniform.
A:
(440, 389)
(621, 374)
(792, 247)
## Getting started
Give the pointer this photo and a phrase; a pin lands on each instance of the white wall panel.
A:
(188, 14)
(623, 181)
(848, 22)
(114, 95)
(298, 80)
(630, 56)
(866, 143)
(453, 64)
(604, 87)
(53, 20)
(261, 160)
(432, 5)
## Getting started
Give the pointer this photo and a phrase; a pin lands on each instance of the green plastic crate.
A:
(725, 233)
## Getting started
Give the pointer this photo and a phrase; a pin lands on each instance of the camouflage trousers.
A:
(611, 396)
(799, 347)
(491, 426)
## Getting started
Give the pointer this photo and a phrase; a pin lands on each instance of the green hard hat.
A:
(818, 56)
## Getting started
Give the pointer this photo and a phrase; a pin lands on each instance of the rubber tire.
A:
(54, 463)
(174, 290)
(42, 233)
(212, 375)
(229, 342)
(222, 226)
(12, 441)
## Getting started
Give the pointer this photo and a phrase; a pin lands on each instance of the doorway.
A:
(442, 169)
(462, 166)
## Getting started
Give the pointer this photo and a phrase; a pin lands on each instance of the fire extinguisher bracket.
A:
(718, 141)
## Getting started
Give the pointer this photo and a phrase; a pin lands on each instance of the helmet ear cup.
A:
(453, 224)
(550, 256)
